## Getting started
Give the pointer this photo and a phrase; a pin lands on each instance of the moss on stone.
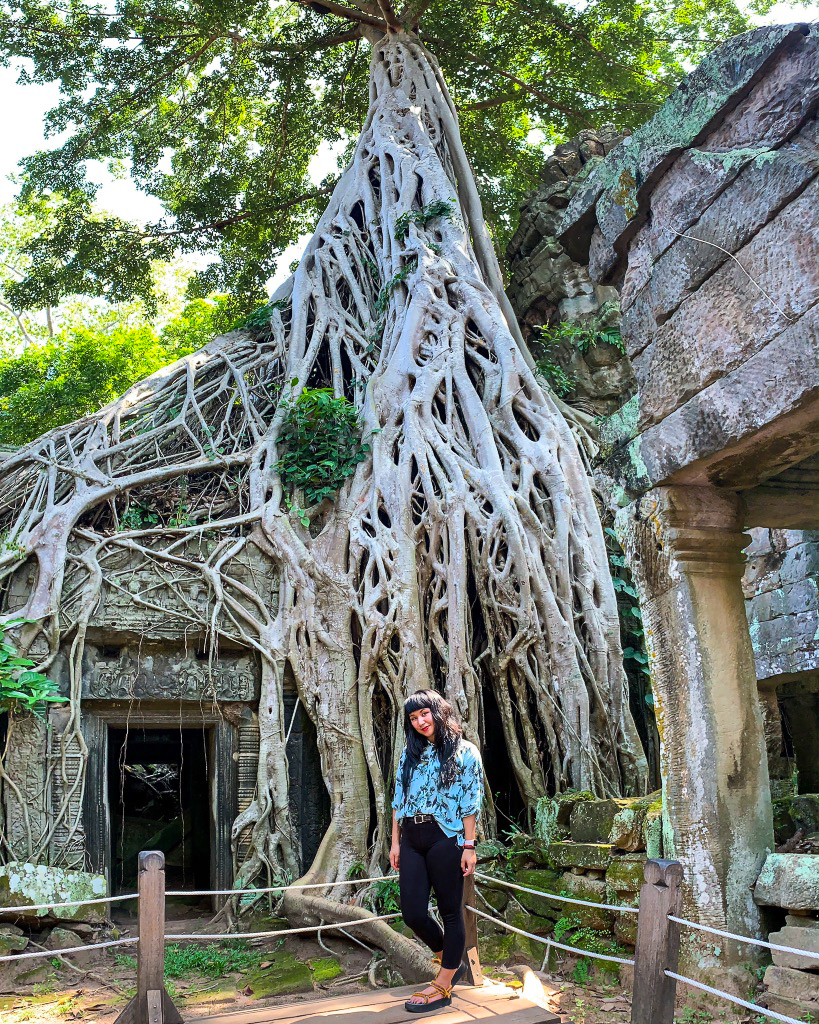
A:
(285, 975)
(325, 969)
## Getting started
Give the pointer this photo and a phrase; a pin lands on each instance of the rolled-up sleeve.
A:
(398, 797)
(471, 796)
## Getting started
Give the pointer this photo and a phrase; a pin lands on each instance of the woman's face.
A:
(421, 720)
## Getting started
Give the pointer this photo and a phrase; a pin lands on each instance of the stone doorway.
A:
(158, 784)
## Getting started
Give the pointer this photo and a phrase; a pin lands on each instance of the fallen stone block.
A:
(790, 1007)
(806, 938)
(625, 875)
(591, 820)
(800, 985)
(789, 880)
(12, 939)
(581, 855)
(23, 885)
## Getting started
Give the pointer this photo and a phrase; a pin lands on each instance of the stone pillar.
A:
(684, 546)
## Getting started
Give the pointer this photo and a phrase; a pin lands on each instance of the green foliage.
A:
(580, 973)
(261, 317)
(243, 94)
(214, 960)
(20, 688)
(438, 208)
(574, 335)
(565, 924)
(321, 444)
(84, 368)
(387, 896)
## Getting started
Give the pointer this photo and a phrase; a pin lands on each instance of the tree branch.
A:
(330, 7)
(497, 101)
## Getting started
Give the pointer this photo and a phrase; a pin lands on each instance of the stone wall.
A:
(781, 583)
(548, 287)
(593, 850)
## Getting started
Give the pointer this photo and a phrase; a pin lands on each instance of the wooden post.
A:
(658, 944)
(473, 964)
(151, 1004)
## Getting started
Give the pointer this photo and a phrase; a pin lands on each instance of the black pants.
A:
(430, 858)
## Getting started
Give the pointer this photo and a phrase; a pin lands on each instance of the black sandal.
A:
(429, 1004)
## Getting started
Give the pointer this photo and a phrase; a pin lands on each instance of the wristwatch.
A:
(469, 844)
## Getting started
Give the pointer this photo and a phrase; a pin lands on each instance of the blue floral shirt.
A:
(424, 795)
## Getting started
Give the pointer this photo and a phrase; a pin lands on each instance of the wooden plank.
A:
(387, 1007)
(155, 1015)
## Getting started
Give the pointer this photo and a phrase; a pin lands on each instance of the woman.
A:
(438, 793)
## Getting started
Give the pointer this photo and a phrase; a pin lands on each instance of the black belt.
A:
(420, 819)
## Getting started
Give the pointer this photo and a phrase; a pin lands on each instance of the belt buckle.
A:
(418, 819)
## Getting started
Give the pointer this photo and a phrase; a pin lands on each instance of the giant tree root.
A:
(466, 553)
(405, 955)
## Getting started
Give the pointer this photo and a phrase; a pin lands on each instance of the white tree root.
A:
(465, 554)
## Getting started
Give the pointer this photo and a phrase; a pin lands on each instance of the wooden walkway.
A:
(495, 1003)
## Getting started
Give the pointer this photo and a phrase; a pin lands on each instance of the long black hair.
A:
(446, 739)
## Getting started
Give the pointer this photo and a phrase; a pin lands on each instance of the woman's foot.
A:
(444, 980)
(435, 996)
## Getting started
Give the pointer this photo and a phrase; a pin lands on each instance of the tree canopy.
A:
(217, 108)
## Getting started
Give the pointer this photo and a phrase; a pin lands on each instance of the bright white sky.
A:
(25, 107)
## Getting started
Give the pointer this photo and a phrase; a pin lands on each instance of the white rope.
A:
(553, 896)
(551, 942)
(72, 949)
(69, 903)
(285, 931)
(275, 888)
(733, 999)
(743, 938)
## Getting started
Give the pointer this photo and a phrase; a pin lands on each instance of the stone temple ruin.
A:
(700, 230)
(171, 731)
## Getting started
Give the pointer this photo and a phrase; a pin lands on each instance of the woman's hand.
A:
(395, 856)
(468, 861)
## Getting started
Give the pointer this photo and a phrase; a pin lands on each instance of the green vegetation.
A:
(576, 336)
(631, 619)
(321, 444)
(84, 368)
(213, 960)
(423, 216)
(243, 95)
(20, 688)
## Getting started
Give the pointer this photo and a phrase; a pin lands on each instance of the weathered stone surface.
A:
(801, 937)
(33, 884)
(766, 184)
(653, 834)
(789, 880)
(799, 985)
(12, 939)
(728, 417)
(729, 318)
(615, 190)
(592, 890)
(625, 929)
(62, 938)
(627, 828)
(543, 881)
(591, 821)
(581, 855)
(625, 875)
(790, 1007)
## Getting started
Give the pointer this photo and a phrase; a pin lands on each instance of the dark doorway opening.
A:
(158, 790)
(509, 805)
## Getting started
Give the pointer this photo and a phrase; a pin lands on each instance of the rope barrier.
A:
(73, 949)
(742, 938)
(199, 936)
(553, 896)
(552, 942)
(275, 888)
(70, 903)
(733, 999)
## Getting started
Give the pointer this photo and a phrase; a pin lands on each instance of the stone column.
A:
(684, 546)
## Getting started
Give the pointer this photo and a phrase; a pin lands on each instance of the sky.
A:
(25, 106)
